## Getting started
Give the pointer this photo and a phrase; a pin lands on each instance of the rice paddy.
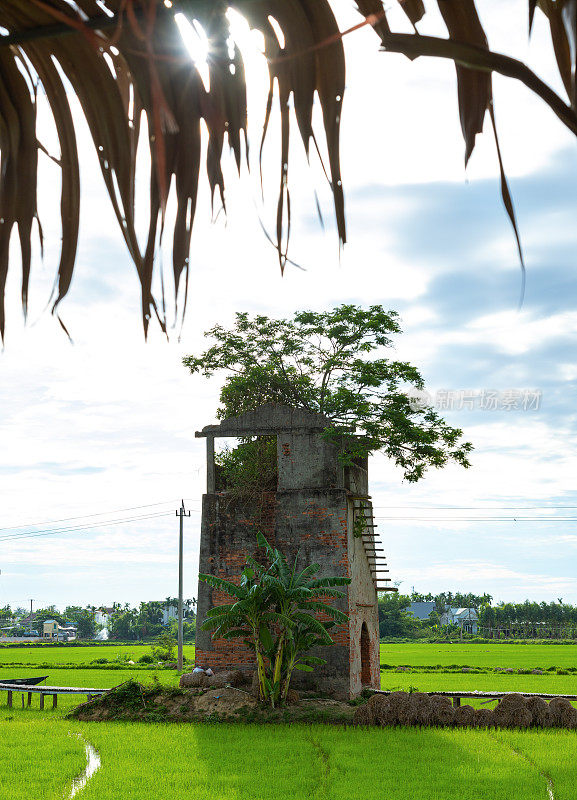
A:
(492, 682)
(71, 654)
(517, 655)
(41, 751)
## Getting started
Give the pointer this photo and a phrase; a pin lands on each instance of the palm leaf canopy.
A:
(125, 58)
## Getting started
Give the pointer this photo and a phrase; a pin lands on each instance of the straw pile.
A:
(465, 716)
(363, 715)
(442, 712)
(483, 718)
(513, 711)
(564, 714)
(541, 713)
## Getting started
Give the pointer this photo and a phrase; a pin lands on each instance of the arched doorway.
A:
(365, 656)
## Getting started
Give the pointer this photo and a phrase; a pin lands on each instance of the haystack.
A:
(464, 716)
(421, 708)
(363, 715)
(228, 677)
(512, 712)
(392, 709)
(401, 708)
(483, 718)
(193, 680)
(564, 714)
(380, 708)
(442, 712)
(542, 716)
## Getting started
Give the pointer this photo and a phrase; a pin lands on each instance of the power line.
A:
(479, 519)
(34, 534)
(85, 516)
(477, 508)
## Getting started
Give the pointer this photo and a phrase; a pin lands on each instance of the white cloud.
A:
(506, 584)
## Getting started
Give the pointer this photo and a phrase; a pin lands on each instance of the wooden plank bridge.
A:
(46, 691)
(486, 697)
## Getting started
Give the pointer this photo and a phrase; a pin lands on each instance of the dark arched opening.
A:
(365, 656)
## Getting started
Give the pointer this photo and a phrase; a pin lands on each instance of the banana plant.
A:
(274, 612)
(297, 596)
(249, 616)
(300, 641)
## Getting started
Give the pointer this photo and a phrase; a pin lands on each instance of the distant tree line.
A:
(446, 600)
(554, 613)
(146, 621)
(396, 621)
(125, 623)
(18, 620)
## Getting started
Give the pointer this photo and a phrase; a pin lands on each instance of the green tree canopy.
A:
(44, 614)
(334, 363)
(84, 619)
(394, 619)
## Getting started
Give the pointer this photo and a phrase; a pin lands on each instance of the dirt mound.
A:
(132, 700)
(563, 713)
(224, 702)
(135, 702)
(226, 677)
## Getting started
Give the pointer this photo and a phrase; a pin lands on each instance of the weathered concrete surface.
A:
(307, 461)
(268, 419)
(311, 514)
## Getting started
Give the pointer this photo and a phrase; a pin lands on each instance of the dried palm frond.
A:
(122, 57)
(125, 57)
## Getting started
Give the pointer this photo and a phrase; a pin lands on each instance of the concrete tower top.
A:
(268, 420)
(305, 458)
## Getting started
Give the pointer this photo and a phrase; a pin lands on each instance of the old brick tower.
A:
(320, 509)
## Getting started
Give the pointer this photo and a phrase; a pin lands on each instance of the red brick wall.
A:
(308, 525)
(228, 564)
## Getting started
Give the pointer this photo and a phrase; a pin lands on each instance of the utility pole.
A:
(30, 621)
(181, 513)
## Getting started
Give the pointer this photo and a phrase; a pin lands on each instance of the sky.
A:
(99, 434)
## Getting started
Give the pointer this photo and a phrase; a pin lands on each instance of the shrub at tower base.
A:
(275, 612)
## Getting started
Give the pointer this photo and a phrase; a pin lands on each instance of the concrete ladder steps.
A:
(362, 508)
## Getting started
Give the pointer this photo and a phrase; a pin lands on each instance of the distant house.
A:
(465, 618)
(421, 610)
(61, 633)
(171, 612)
(102, 616)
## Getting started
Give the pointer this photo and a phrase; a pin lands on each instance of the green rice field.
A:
(49, 654)
(519, 656)
(41, 751)
(522, 656)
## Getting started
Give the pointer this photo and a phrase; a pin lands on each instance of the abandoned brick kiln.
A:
(320, 509)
